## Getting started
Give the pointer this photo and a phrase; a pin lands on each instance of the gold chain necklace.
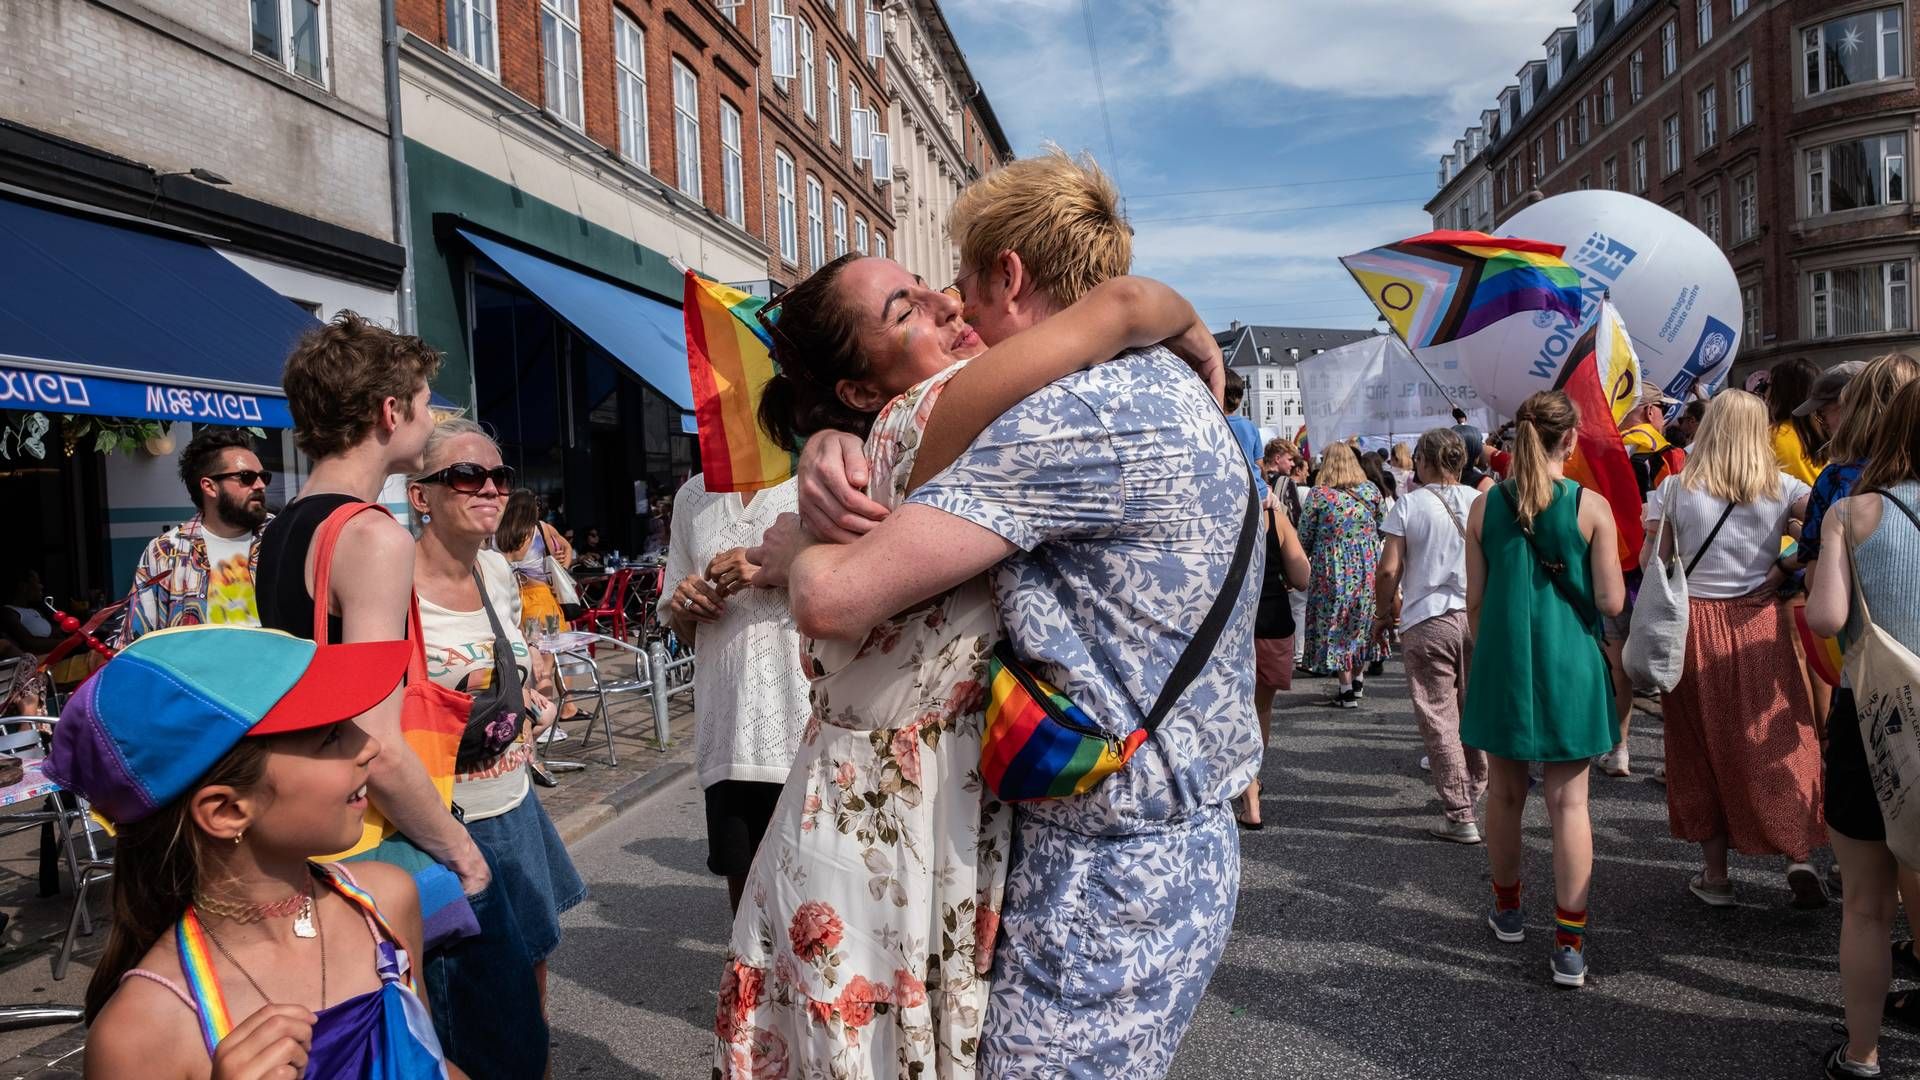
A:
(318, 930)
(299, 905)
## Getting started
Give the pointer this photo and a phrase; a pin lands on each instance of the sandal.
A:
(1250, 826)
(1904, 1006)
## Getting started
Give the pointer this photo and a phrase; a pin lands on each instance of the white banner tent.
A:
(1374, 388)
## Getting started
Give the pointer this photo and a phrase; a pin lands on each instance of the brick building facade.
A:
(819, 146)
(1781, 128)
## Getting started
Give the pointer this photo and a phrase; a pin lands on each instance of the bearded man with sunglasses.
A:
(203, 570)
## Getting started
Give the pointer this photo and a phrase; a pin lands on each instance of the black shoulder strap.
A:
(1897, 501)
(1200, 649)
(1698, 555)
(1556, 571)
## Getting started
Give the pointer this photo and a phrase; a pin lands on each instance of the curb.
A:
(579, 824)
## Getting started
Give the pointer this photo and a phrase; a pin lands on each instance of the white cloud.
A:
(1455, 53)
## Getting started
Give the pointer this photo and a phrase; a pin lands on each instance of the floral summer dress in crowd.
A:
(866, 929)
(1340, 530)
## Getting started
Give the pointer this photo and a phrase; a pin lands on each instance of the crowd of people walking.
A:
(983, 691)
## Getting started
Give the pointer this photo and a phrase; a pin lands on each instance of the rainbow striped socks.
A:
(1569, 929)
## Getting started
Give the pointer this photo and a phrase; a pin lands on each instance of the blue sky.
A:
(1353, 100)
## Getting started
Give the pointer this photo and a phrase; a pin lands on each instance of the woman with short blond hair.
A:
(1743, 763)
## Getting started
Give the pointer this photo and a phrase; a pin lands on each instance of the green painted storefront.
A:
(582, 430)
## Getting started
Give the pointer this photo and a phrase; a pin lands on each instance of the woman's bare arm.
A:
(1118, 314)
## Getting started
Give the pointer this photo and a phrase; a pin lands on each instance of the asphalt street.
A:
(1360, 947)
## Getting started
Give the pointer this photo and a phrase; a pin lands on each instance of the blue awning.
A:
(119, 321)
(645, 335)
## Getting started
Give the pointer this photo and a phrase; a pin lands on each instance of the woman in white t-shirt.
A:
(1421, 587)
(1743, 762)
(457, 500)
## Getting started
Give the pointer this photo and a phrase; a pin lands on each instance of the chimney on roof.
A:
(1234, 325)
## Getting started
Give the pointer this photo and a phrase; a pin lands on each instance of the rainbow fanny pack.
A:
(1039, 745)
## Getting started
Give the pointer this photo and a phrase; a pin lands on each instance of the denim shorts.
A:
(532, 869)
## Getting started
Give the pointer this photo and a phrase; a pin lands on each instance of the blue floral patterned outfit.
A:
(1340, 531)
(1124, 491)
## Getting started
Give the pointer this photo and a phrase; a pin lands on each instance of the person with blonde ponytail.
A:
(1542, 571)
(1743, 763)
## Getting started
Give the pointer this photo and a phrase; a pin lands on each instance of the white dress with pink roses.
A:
(866, 930)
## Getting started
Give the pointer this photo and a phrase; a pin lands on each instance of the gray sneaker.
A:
(1569, 966)
(1508, 926)
(1457, 832)
(1712, 893)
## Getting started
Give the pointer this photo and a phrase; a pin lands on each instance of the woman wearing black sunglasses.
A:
(470, 616)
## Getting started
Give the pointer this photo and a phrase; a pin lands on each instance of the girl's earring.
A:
(237, 837)
(424, 518)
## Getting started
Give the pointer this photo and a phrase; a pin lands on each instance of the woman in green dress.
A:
(1542, 568)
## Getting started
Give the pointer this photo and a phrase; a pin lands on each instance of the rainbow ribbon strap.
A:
(196, 961)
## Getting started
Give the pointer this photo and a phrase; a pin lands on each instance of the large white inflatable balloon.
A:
(1672, 285)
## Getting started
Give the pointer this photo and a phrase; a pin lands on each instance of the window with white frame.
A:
(1746, 207)
(1637, 165)
(1857, 174)
(1710, 214)
(783, 200)
(1750, 313)
(1703, 20)
(859, 126)
(1606, 100)
(1709, 99)
(853, 18)
(1610, 174)
(879, 245)
(833, 98)
(470, 32)
(1486, 195)
(1870, 299)
(1580, 129)
(1585, 27)
(686, 130)
(876, 35)
(1866, 46)
(560, 49)
(1669, 48)
(293, 34)
(1636, 76)
(1742, 94)
(1672, 145)
(780, 46)
(1620, 9)
(809, 89)
(816, 224)
(733, 202)
(860, 234)
(1740, 7)
(630, 87)
(839, 226)
(1539, 159)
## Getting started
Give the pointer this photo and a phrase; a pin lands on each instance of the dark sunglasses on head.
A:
(245, 477)
(468, 478)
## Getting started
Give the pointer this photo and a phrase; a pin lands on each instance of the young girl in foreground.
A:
(228, 759)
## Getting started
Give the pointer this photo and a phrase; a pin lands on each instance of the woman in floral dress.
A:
(864, 938)
(1340, 528)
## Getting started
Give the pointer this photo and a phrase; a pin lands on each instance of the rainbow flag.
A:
(729, 361)
(1593, 378)
(1442, 286)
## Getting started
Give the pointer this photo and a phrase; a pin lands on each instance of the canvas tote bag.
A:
(1656, 649)
(1885, 676)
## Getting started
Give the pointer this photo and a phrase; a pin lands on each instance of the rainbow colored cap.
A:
(147, 726)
